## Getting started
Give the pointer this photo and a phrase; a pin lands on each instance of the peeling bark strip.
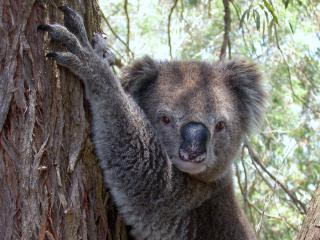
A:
(50, 182)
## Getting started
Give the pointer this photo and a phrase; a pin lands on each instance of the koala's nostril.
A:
(93, 42)
(195, 132)
(194, 141)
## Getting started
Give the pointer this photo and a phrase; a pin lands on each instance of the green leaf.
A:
(256, 17)
(243, 16)
(261, 6)
(270, 29)
(271, 10)
(267, 15)
(248, 14)
(291, 28)
(286, 3)
(193, 2)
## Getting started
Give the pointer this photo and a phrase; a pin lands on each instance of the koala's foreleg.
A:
(136, 168)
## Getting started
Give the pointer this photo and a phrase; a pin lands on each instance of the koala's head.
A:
(200, 110)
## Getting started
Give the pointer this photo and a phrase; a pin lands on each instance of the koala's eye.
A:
(220, 126)
(165, 120)
(104, 54)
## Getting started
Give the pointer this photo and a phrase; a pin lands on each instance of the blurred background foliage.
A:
(278, 168)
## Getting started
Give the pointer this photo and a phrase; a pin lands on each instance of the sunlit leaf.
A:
(270, 29)
(271, 10)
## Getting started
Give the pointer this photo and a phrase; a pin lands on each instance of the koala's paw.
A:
(74, 22)
(99, 44)
(81, 58)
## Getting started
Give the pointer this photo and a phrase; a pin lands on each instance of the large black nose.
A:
(195, 137)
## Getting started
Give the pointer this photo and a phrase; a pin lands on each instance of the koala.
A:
(166, 135)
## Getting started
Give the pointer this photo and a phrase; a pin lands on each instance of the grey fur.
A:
(158, 195)
(100, 48)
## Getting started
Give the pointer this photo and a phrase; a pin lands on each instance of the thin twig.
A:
(237, 9)
(169, 26)
(245, 172)
(288, 68)
(114, 33)
(229, 48)
(301, 206)
(128, 22)
(245, 188)
(267, 201)
(227, 27)
(244, 196)
(266, 181)
(261, 212)
(290, 225)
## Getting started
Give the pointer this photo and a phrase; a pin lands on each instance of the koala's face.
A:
(200, 111)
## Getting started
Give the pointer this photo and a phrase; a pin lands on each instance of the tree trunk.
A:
(311, 226)
(51, 185)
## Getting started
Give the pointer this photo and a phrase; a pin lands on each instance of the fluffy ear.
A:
(245, 82)
(137, 77)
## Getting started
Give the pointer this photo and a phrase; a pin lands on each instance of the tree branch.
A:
(311, 225)
(209, 8)
(227, 27)
(128, 22)
(169, 26)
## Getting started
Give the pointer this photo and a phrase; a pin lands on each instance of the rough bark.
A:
(51, 185)
(311, 226)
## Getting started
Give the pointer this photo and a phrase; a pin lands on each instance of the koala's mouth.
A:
(194, 166)
(184, 156)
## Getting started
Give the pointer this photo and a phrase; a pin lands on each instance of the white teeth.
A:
(200, 158)
(184, 156)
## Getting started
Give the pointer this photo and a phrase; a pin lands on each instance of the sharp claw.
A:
(65, 8)
(43, 27)
(51, 55)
